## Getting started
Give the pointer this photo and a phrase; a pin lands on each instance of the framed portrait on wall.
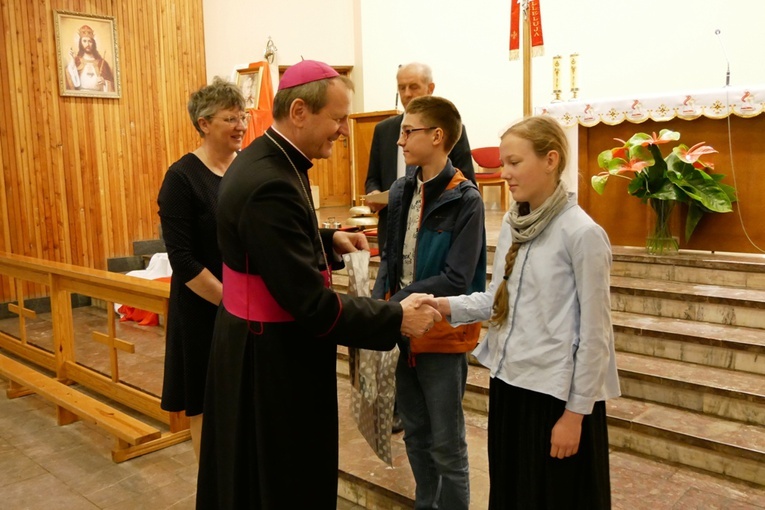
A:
(87, 55)
(248, 80)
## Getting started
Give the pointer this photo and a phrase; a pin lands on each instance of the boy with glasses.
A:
(436, 245)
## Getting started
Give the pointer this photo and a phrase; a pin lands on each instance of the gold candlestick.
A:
(556, 77)
(574, 88)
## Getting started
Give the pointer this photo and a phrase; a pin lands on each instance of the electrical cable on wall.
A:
(730, 142)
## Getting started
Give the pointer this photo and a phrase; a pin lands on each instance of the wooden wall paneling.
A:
(46, 70)
(131, 54)
(40, 150)
(109, 219)
(152, 37)
(7, 132)
(133, 93)
(57, 231)
(80, 175)
(5, 149)
(26, 170)
(124, 189)
(89, 195)
(171, 59)
(71, 170)
(105, 217)
(165, 64)
(6, 202)
(29, 149)
(18, 126)
(145, 56)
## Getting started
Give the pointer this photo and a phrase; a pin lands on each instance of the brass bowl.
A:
(360, 210)
(362, 221)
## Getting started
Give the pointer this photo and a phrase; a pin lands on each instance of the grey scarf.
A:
(526, 228)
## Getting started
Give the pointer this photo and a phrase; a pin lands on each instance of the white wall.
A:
(236, 32)
(625, 47)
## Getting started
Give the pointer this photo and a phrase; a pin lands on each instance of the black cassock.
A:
(270, 429)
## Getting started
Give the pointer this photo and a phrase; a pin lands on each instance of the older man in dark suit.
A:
(386, 160)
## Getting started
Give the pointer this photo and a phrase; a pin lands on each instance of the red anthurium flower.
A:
(665, 136)
(643, 139)
(694, 154)
(624, 166)
(629, 159)
(620, 152)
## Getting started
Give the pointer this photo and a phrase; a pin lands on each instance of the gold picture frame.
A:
(248, 81)
(87, 55)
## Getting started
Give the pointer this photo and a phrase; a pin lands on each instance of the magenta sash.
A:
(247, 297)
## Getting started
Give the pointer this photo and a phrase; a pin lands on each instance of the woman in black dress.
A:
(187, 202)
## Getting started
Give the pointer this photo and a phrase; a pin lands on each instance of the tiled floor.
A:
(46, 467)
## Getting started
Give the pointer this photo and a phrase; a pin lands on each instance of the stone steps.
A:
(729, 270)
(692, 439)
(718, 392)
(715, 345)
(689, 301)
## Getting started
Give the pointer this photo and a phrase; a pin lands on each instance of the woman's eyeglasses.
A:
(233, 120)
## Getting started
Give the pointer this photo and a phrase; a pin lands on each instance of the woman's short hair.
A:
(210, 99)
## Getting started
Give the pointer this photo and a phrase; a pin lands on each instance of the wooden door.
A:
(333, 175)
(362, 130)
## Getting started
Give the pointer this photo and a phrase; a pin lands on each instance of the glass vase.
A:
(662, 242)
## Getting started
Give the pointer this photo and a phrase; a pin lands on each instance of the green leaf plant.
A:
(681, 176)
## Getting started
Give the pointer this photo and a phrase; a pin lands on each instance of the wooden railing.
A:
(63, 280)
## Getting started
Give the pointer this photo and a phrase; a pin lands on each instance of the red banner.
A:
(535, 20)
(535, 24)
(515, 36)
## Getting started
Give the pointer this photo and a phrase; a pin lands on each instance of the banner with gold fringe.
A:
(535, 20)
(530, 8)
(515, 36)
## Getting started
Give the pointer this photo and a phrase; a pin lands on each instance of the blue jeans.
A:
(429, 397)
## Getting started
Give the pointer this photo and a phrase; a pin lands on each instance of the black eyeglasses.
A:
(405, 132)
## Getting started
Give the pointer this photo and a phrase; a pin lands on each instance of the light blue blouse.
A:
(558, 338)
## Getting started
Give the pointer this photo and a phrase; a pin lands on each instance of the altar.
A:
(729, 119)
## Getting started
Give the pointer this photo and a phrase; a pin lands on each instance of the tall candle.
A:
(556, 73)
(574, 57)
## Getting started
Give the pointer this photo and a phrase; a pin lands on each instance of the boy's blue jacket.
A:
(450, 258)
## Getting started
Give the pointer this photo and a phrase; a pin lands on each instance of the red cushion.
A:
(487, 157)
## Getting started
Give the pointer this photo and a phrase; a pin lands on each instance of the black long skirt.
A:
(522, 473)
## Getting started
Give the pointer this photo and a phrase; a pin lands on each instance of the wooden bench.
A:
(72, 405)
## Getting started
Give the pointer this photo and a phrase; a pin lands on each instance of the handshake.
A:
(421, 311)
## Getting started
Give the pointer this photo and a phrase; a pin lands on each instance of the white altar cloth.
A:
(687, 105)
